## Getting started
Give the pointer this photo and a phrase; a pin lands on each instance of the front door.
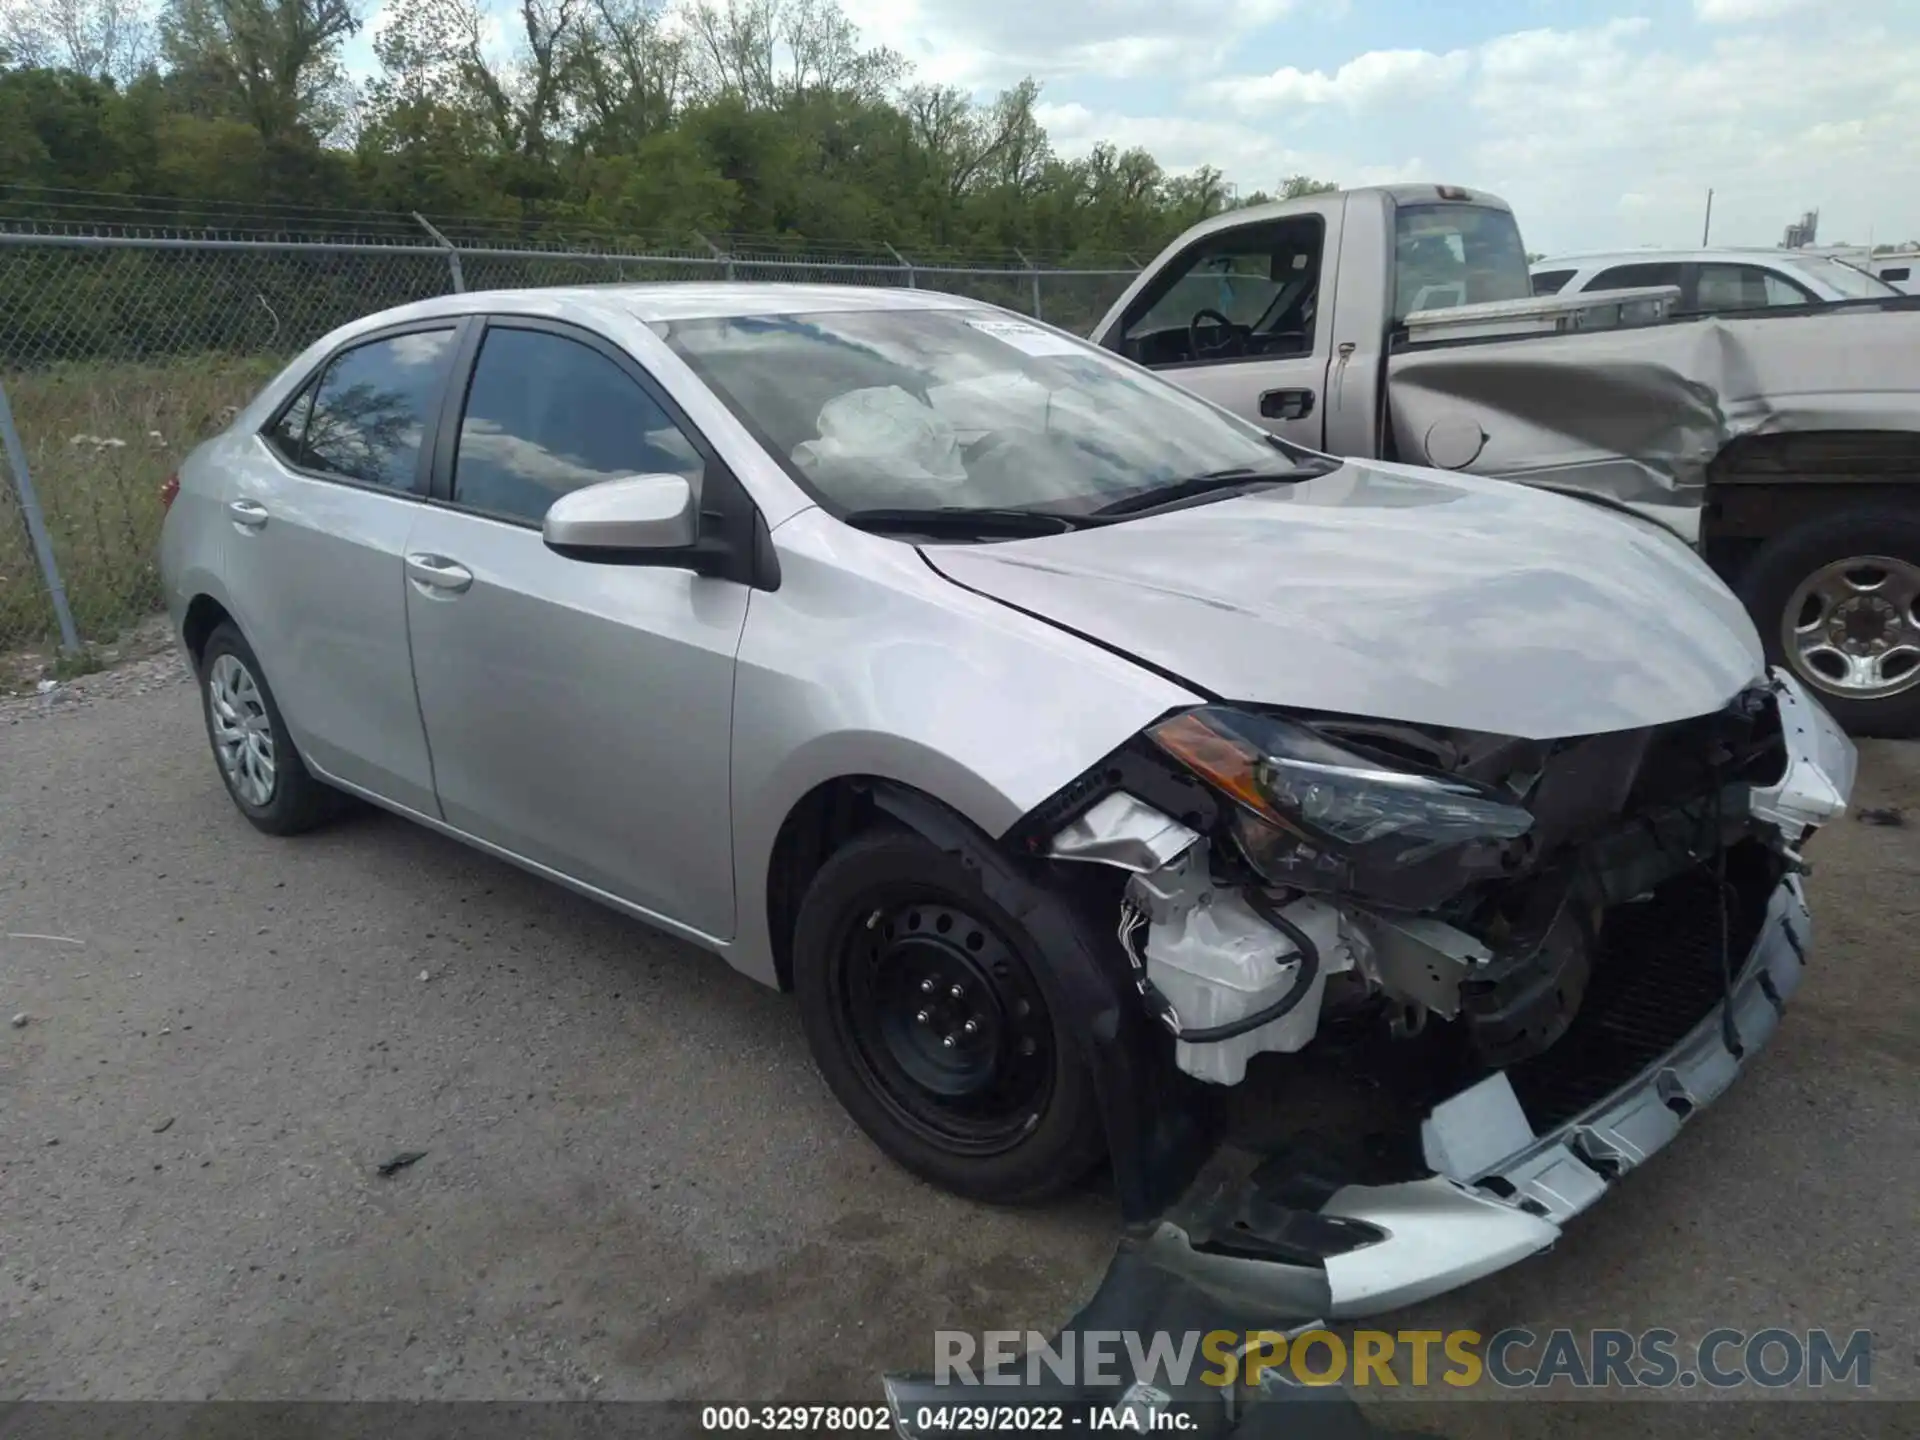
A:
(1244, 318)
(314, 563)
(580, 714)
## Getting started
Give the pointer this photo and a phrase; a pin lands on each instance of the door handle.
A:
(436, 572)
(249, 514)
(1286, 404)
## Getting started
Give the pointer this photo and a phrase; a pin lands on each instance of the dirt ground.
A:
(634, 1184)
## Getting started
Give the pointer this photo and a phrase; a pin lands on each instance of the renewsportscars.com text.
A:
(1721, 1359)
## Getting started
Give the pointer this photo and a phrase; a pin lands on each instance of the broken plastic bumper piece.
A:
(1499, 1190)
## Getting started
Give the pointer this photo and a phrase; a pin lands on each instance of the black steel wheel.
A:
(928, 1013)
(946, 1019)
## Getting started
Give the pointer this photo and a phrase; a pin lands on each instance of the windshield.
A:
(1840, 277)
(959, 410)
(1455, 254)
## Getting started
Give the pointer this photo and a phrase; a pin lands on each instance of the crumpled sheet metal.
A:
(1638, 415)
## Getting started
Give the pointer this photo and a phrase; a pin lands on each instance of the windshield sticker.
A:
(1028, 339)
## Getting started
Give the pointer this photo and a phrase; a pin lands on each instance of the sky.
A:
(1602, 122)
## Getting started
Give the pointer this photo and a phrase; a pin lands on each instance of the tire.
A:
(232, 684)
(1810, 561)
(890, 927)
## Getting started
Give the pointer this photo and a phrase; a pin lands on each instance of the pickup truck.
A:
(1398, 323)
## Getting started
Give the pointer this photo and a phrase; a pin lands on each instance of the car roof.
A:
(683, 300)
(1728, 253)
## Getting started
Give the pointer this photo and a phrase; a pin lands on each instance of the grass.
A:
(101, 439)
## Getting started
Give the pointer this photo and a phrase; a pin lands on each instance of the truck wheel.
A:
(1837, 601)
(925, 1011)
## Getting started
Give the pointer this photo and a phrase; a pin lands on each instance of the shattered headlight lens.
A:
(1315, 814)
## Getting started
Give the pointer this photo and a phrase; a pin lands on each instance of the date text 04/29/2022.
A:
(957, 1418)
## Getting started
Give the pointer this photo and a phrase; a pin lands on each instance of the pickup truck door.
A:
(1243, 316)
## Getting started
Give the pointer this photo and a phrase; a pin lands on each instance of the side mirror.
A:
(640, 512)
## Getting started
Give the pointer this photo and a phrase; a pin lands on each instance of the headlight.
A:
(1313, 814)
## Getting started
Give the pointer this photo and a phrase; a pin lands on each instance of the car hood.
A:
(1397, 593)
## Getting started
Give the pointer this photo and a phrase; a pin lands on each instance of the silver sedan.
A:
(1067, 744)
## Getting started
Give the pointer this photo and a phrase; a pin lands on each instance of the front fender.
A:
(866, 663)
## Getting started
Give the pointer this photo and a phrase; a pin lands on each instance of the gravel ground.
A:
(634, 1185)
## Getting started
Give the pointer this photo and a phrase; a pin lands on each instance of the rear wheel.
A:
(927, 1011)
(262, 770)
(1837, 601)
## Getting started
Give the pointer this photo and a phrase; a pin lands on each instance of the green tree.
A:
(1295, 187)
(273, 63)
(766, 117)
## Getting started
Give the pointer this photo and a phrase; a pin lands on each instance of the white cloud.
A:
(1738, 12)
(984, 44)
(1251, 155)
(1378, 76)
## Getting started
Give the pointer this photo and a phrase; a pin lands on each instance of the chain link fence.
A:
(118, 354)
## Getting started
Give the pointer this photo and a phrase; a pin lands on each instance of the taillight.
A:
(169, 492)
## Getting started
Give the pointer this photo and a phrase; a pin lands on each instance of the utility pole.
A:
(1706, 229)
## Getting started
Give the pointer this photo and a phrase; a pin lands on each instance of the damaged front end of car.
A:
(1536, 958)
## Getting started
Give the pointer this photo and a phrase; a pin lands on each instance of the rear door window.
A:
(1745, 287)
(1551, 282)
(369, 415)
(1635, 277)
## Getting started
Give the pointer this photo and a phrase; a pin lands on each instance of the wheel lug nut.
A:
(926, 986)
(923, 1017)
(1026, 1046)
(947, 1040)
(971, 1027)
(956, 992)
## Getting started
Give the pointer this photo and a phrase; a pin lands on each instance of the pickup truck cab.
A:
(1400, 323)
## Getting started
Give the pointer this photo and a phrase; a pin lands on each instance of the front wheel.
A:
(1837, 602)
(926, 1010)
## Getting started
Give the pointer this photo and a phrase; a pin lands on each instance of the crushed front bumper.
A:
(1503, 1192)
(1500, 1191)
(1516, 1155)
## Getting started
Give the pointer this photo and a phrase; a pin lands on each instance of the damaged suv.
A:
(1065, 742)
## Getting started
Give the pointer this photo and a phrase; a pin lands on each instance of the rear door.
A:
(580, 713)
(1243, 317)
(314, 563)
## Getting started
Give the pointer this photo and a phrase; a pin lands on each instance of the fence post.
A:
(905, 264)
(453, 255)
(36, 527)
(1034, 275)
(718, 253)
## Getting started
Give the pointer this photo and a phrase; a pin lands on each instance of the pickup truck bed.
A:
(1641, 415)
